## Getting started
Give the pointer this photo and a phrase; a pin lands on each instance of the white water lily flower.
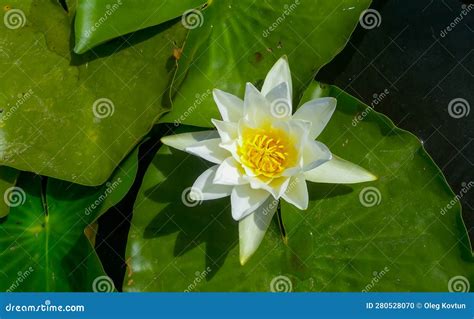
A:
(263, 153)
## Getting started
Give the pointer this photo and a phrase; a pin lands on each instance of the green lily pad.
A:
(76, 117)
(388, 235)
(240, 40)
(8, 178)
(98, 21)
(43, 246)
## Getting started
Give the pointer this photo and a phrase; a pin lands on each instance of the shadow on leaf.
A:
(208, 222)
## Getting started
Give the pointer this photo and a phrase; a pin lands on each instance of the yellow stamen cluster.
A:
(266, 152)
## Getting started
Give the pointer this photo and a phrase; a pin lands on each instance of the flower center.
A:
(266, 152)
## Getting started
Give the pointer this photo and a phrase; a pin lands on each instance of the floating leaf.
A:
(239, 41)
(98, 21)
(43, 246)
(76, 117)
(388, 235)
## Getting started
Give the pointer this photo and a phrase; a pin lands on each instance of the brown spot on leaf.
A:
(177, 52)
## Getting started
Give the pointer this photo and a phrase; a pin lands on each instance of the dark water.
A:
(423, 70)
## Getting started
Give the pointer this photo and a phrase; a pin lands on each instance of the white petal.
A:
(230, 106)
(181, 141)
(339, 171)
(206, 189)
(297, 192)
(209, 150)
(245, 200)
(279, 73)
(299, 132)
(229, 173)
(318, 112)
(228, 131)
(315, 154)
(276, 186)
(252, 228)
(256, 106)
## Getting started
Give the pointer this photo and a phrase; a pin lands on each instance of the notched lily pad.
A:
(388, 235)
(43, 244)
(76, 117)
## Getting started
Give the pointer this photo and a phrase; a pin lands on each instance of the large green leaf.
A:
(388, 235)
(43, 246)
(8, 178)
(76, 117)
(98, 21)
(240, 40)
